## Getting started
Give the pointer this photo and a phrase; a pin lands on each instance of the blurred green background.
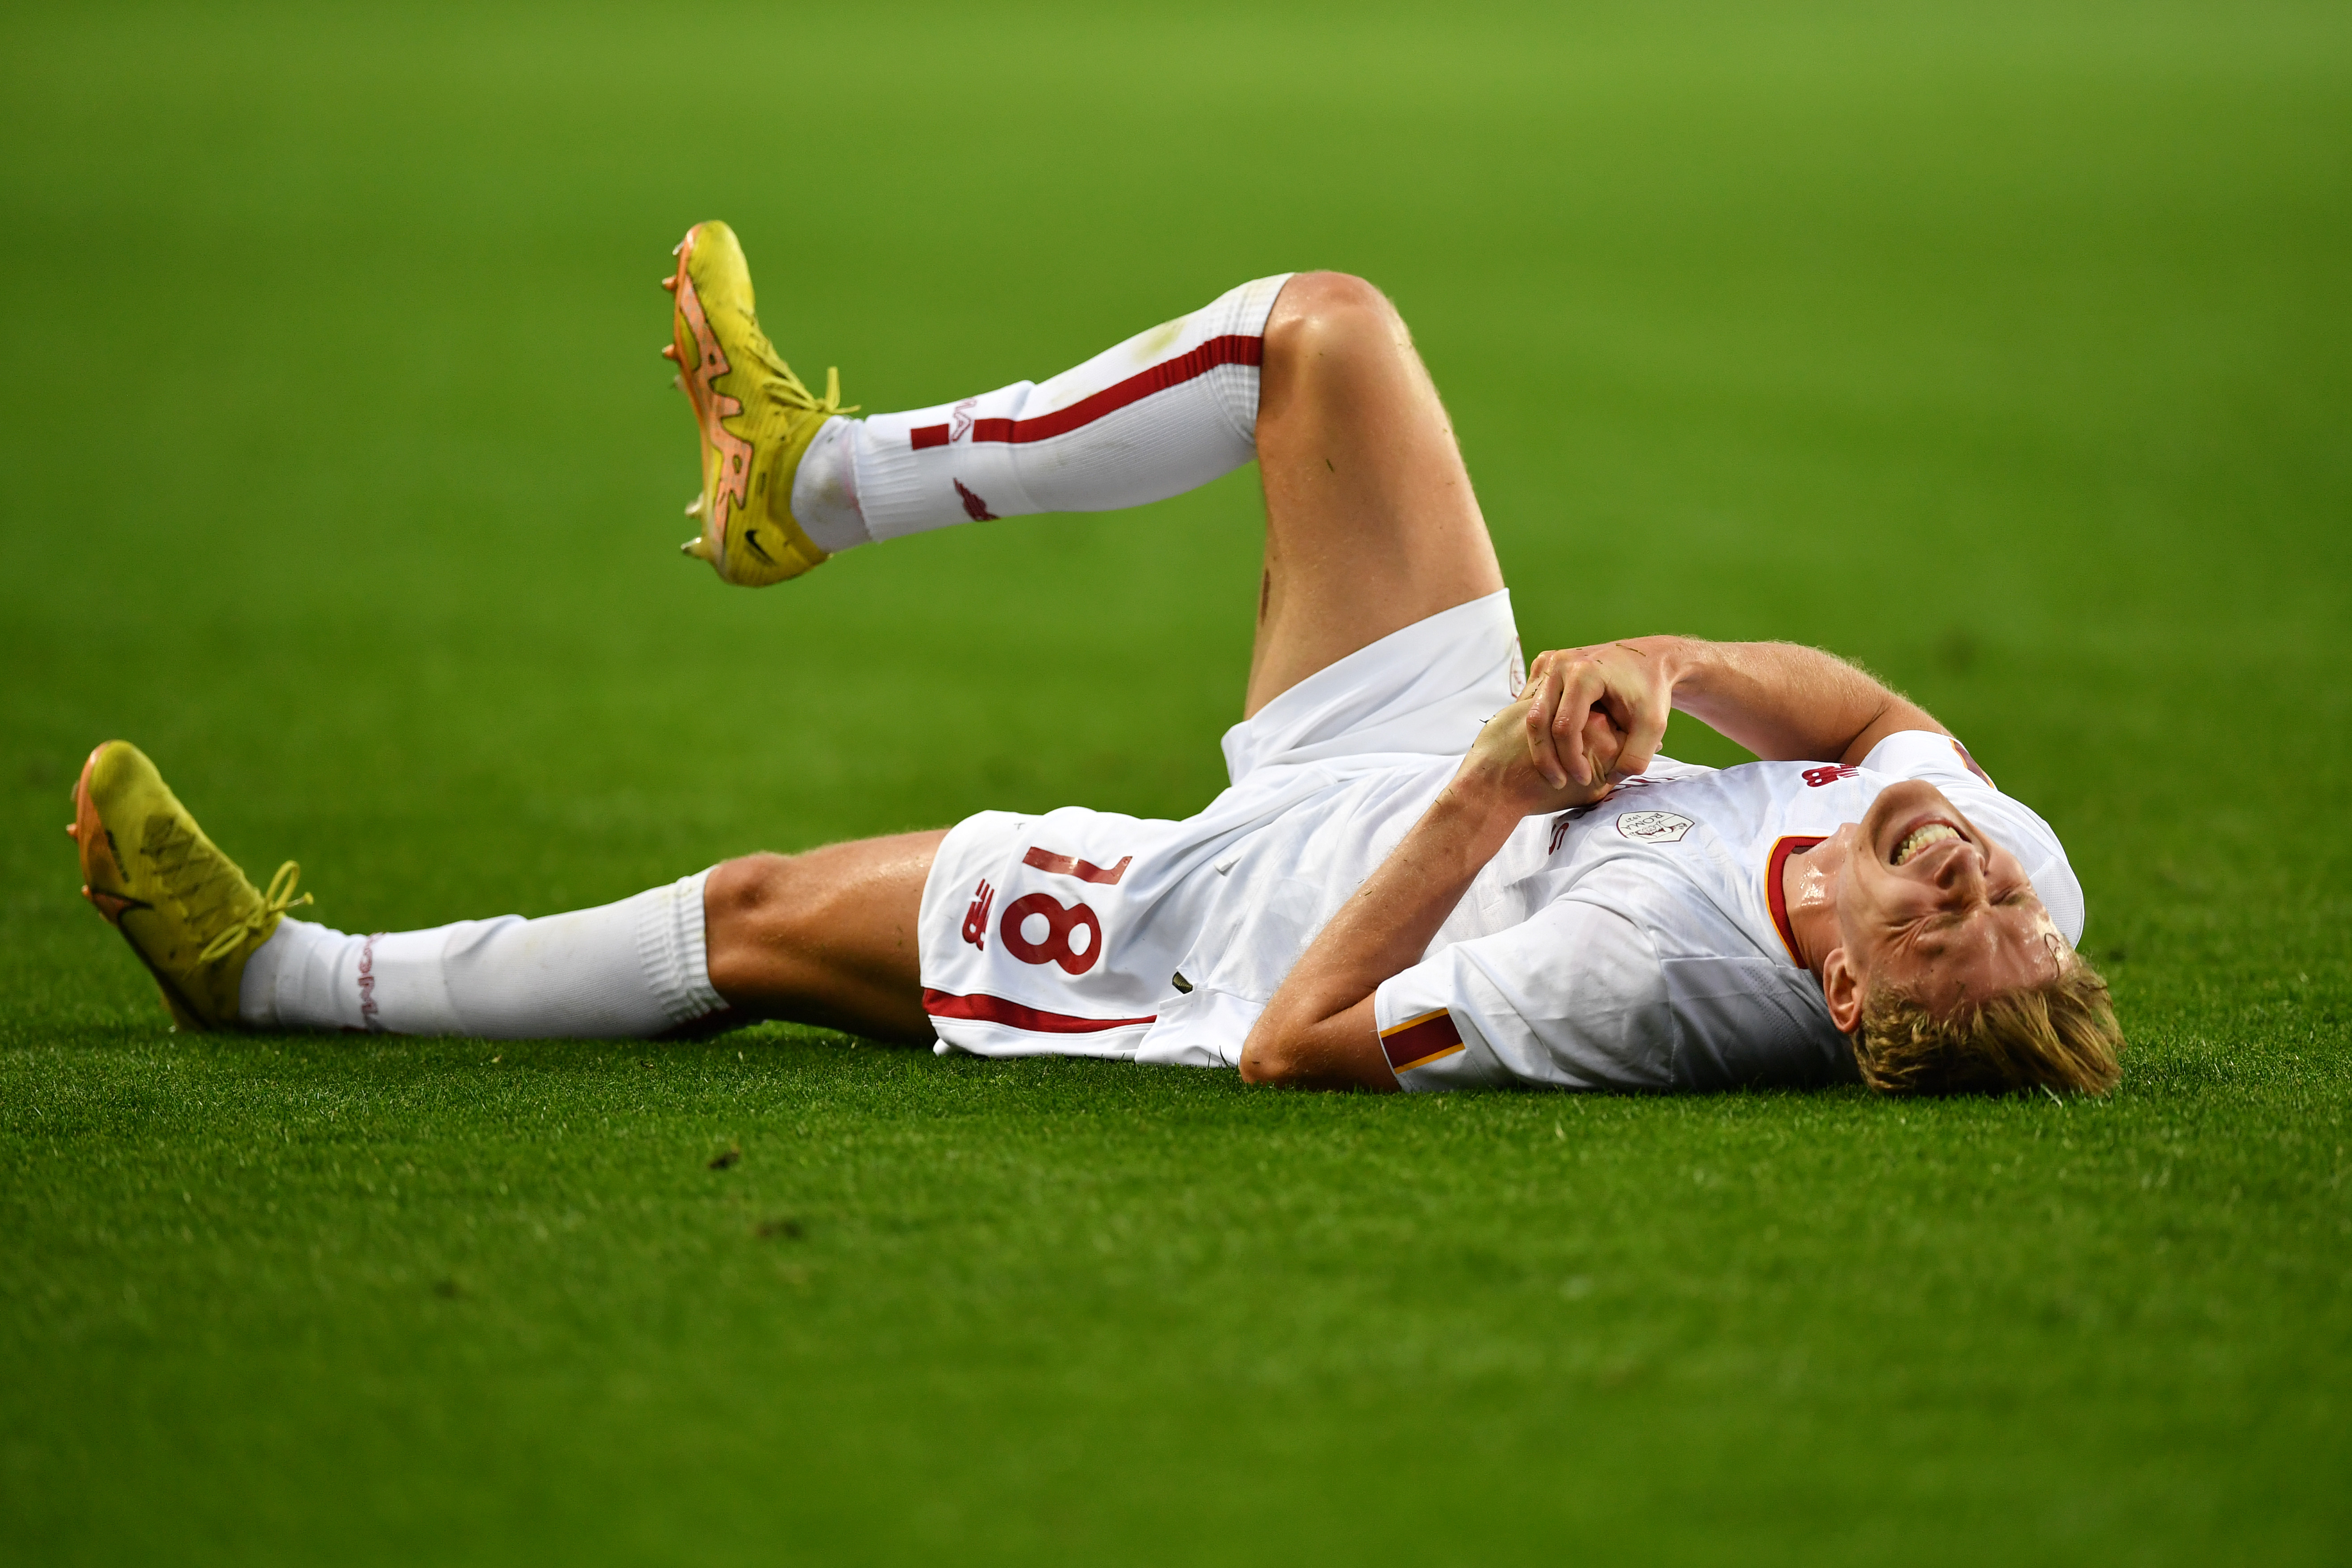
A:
(2002, 347)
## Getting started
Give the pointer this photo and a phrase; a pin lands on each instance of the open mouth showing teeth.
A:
(1920, 838)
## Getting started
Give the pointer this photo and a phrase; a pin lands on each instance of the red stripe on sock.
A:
(1230, 349)
(989, 1009)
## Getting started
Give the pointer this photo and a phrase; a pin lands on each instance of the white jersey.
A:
(1644, 942)
(1636, 944)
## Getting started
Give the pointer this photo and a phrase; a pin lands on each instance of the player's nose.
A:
(1961, 880)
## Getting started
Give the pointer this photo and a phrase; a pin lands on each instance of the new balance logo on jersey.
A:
(975, 918)
(1816, 777)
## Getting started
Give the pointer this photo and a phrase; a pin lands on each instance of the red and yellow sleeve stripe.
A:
(1419, 1041)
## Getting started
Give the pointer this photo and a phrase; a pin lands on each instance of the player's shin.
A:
(631, 969)
(1165, 412)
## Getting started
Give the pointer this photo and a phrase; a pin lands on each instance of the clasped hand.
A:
(1587, 717)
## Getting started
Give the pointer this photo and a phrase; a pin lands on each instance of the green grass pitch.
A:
(2003, 347)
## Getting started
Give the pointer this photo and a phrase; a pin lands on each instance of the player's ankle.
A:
(824, 490)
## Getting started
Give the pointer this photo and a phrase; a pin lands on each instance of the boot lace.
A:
(793, 392)
(204, 883)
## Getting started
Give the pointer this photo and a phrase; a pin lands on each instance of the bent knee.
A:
(1319, 308)
(1332, 294)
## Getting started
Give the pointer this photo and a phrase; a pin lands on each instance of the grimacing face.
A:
(1931, 905)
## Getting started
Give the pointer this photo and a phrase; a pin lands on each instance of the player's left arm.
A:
(1317, 1031)
(1781, 700)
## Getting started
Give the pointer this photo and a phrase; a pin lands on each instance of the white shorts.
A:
(1084, 932)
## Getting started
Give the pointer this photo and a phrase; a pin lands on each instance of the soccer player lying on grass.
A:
(1423, 877)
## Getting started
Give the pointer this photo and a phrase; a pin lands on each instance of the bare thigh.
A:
(827, 937)
(1371, 523)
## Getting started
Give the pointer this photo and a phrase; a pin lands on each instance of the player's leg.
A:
(788, 480)
(825, 937)
(632, 969)
(1371, 523)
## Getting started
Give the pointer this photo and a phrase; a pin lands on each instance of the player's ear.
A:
(1842, 988)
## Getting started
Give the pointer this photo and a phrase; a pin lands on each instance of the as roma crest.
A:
(1653, 827)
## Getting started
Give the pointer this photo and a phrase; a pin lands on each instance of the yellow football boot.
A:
(184, 906)
(755, 416)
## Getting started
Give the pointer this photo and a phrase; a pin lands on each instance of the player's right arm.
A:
(1783, 701)
(1317, 1030)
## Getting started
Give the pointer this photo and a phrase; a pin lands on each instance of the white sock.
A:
(630, 969)
(1164, 412)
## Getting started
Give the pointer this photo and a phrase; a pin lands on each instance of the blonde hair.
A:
(2060, 1035)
